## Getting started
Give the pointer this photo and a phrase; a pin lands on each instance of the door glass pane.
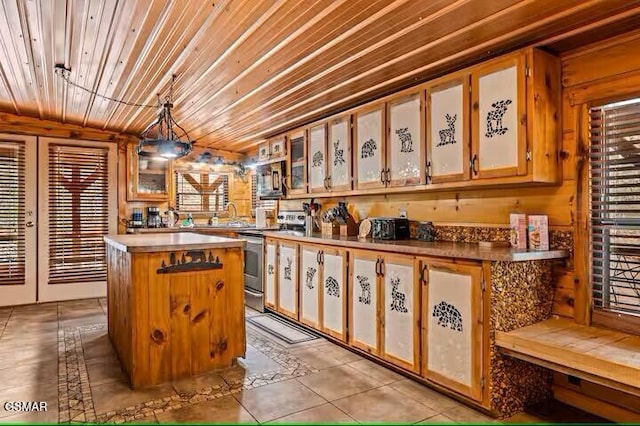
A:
(368, 147)
(78, 213)
(446, 131)
(12, 214)
(405, 143)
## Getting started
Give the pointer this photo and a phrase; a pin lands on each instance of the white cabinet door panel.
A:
(447, 150)
(365, 302)
(288, 280)
(498, 103)
(270, 274)
(339, 153)
(449, 316)
(318, 157)
(368, 152)
(405, 147)
(334, 292)
(399, 311)
(309, 289)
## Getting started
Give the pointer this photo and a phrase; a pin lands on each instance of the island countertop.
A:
(470, 251)
(148, 243)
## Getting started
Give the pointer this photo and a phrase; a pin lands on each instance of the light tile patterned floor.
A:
(60, 353)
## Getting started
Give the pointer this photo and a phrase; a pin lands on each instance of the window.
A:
(257, 202)
(615, 207)
(201, 192)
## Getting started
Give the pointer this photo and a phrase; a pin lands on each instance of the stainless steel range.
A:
(254, 256)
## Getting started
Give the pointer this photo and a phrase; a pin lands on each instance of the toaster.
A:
(390, 228)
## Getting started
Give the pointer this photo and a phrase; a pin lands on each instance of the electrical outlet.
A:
(402, 213)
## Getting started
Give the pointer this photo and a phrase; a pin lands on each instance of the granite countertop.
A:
(163, 242)
(423, 248)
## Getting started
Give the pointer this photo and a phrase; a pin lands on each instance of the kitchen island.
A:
(176, 304)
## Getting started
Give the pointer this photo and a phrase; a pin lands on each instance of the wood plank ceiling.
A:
(248, 69)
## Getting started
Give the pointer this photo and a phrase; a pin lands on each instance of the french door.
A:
(59, 199)
(18, 218)
(78, 207)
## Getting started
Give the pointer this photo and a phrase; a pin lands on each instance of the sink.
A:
(234, 224)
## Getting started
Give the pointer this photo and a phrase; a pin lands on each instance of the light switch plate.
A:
(402, 213)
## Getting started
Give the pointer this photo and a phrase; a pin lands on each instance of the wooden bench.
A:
(602, 356)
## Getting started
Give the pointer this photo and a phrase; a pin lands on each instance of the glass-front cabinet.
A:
(297, 160)
(448, 129)
(405, 149)
(370, 144)
(148, 179)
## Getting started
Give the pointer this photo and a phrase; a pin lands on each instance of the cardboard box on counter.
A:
(539, 232)
(518, 233)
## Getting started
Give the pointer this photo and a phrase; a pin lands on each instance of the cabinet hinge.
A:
(482, 382)
(527, 72)
(529, 154)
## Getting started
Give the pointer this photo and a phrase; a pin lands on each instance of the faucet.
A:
(235, 209)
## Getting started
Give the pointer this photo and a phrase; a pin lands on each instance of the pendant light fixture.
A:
(159, 140)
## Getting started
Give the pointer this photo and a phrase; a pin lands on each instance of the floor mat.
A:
(282, 329)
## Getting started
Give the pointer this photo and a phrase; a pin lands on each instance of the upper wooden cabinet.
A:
(405, 146)
(370, 146)
(297, 161)
(448, 129)
(339, 148)
(515, 117)
(318, 158)
(147, 179)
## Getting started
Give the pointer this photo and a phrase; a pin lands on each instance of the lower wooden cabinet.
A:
(270, 273)
(364, 288)
(334, 294)
(287, 279)
(310, 288)
(452, 325)
(400, 312)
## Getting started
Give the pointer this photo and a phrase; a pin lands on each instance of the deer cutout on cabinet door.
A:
(398, 298)
(365, 290)
(287, 269)
(311, 272)
(406, 143)
(447, 136)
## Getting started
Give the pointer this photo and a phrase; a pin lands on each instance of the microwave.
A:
(270, 180)
(390, 228)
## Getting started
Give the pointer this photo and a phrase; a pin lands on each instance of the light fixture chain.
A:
(64, 73)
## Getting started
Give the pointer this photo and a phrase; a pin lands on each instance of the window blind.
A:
(201, 192)
(12, 213)
(78, 213)
(615, 206)
(255, 200)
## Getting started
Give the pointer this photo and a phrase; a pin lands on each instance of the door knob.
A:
(29, 224)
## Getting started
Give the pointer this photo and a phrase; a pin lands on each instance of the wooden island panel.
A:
(169, 325)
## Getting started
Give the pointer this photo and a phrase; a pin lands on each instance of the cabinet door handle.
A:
(428, 171)
(329, 182)
(318, 257)
(423, 269)
(377, 267)
(473, 163)
(382, 267)
(322, 257)
(388, 176)
(382, 181)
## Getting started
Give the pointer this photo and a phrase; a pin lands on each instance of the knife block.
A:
(329, 229)
(349, 229)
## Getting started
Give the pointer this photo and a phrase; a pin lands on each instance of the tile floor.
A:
(60, 353)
